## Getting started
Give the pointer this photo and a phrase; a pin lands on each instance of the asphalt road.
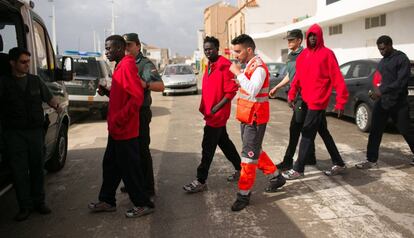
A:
(375, 203)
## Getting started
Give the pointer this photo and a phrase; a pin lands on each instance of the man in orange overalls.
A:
(253, 113)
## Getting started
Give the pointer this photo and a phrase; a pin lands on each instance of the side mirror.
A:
(67, 68)
(65, 73)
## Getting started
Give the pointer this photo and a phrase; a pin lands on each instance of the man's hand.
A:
(374, 94)
(59, 109)
(144, 84)
(339, 111)
(103, 91)
(214, 109)
(291, 103)
(272, 92)
(235, 69)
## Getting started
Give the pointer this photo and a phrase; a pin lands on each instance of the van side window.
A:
(8, 36)
(41, 56)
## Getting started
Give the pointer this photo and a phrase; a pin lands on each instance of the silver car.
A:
(179, 78)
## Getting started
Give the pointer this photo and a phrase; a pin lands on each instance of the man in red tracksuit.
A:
(317, 72)
(121, 159)
(219, 88)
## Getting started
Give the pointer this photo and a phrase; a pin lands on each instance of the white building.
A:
(351, 28)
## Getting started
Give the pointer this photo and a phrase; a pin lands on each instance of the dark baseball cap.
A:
(131, 37)
(294, 34)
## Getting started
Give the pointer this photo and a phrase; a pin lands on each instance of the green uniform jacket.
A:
(149, 73)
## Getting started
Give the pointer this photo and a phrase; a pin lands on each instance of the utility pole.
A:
(53, 25)
(94, 41)
(113, 17)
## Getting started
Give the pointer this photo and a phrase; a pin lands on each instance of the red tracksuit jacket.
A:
(216, 85)
(125, 100)
(317, 72)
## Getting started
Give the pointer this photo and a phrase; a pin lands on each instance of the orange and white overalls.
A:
(253, 113)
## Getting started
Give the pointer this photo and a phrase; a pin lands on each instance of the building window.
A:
(336, 29)
(331, 1)
(377, 21)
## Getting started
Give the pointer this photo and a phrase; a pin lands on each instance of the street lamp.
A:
(53, 25)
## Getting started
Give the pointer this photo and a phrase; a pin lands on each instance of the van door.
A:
(11, 35)
(45, 65)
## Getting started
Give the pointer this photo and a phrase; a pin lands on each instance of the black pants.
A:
(122, 161)
(315, 122)
(145, 117)
(294, 134)
(211, 138)
(25, 154)
(400, 116)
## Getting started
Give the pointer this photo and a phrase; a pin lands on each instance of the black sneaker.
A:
(234, 176)
(283, 166)
(43, 209)
(241, 202)
(22, 215)
(275, 183)
(138, 212)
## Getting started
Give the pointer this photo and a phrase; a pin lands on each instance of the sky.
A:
(163, 23)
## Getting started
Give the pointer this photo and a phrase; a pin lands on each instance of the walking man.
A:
(219, 88)
(294, 38)
(317, 72)
(22, 119)
(151, 81)
(122, 159)
(253, 113)
(391, 99)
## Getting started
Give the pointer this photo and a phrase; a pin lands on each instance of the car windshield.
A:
(87, 67)
(178, 70)
(275, 68)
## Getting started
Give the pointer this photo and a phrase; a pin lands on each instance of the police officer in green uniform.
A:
(151, 81)
(22, 119)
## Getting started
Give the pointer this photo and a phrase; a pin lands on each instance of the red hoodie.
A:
(216, 85)
(125, 100)
(317, 72)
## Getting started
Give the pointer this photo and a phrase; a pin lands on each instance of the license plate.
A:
(410, 92)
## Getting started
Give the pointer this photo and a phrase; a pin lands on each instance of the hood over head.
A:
(317, 30)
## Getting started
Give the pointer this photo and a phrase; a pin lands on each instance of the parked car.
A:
(179, 78)
(90, 71)
(277, 73)
(21, 26)
(358, 76)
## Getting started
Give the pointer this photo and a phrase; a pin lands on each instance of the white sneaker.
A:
(292, 174)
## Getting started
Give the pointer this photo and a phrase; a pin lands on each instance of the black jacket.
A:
(395, 72)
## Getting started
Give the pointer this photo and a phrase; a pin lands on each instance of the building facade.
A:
(215, 17)
(350, 28)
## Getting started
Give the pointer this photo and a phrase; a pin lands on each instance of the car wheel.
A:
(195, 92)
(58, 159)
(363, 117)
(164, 94)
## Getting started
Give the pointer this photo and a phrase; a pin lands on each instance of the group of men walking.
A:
(312, 74)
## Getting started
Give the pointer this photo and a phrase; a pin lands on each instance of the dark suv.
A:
(358, 76)
(21, 26)
(90, 71)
